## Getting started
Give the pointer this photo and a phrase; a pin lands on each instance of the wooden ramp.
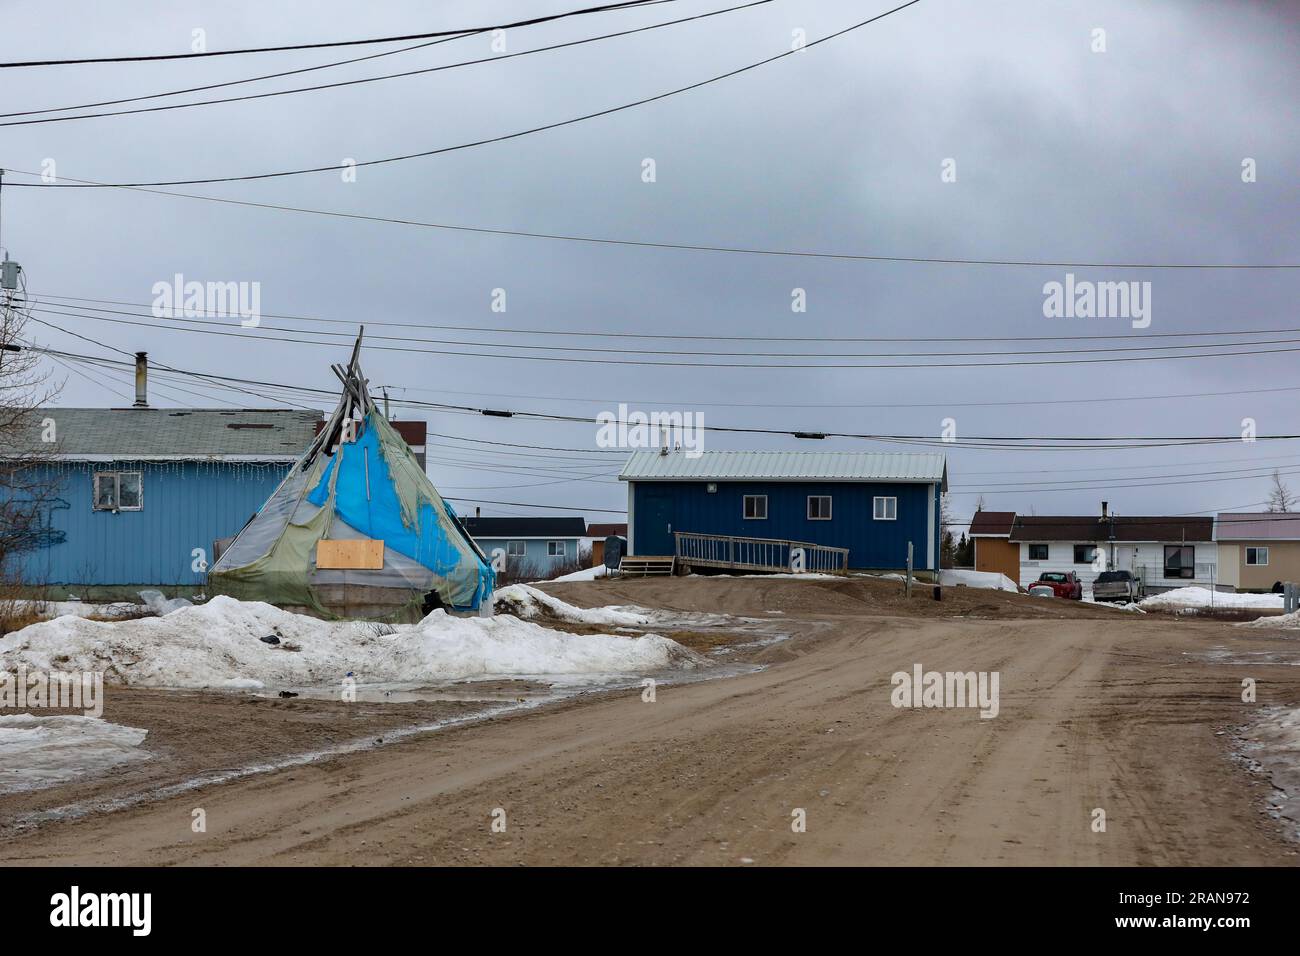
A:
(643, 564)
(757, 554)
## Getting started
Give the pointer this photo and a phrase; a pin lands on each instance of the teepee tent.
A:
(356, 529)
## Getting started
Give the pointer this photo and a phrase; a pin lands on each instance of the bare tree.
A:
(28, 442)
(1280, 498)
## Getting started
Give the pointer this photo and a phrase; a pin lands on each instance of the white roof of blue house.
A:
(677, 465)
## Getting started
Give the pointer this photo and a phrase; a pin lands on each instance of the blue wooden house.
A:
(870, 503)
(528, 547)
(138, 497)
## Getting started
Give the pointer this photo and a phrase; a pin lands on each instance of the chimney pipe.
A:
(477, 511)
(1104, 506)
(141, 380)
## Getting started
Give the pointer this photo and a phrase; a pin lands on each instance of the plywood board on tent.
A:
(363, 555)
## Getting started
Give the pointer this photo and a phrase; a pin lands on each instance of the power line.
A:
(526, 504)
(239, 82)
(1085, 442)
(331, 44)
(387, 76)
(678, 246)
(505, 137)
(676, 337)
(680, 364)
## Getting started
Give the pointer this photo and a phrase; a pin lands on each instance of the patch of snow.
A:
(218, 643)
(157, 602)
(37, 752)
(1204, 597)
(53, 609)
(1276, 620)
(994, 580)
(526, 601)
(1131, 608)
(586, 574)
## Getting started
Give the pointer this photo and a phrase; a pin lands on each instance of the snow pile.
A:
(1204, 597)
(994, 580)
(1276, 620)
(586, 574)
(221, 644)
(40, 752)
(523, 600)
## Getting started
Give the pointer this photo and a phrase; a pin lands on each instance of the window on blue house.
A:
(755, 507)
(555, 549)
(516, 549)
(118, 491)
(885, 509)
(819, 507)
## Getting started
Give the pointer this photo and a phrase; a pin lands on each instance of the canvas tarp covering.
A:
(370, 488)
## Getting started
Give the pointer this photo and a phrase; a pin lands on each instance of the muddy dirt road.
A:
(1098, 709)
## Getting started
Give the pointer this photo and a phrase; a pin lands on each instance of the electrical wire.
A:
(505, 137)
(389, 76)
(207, 54)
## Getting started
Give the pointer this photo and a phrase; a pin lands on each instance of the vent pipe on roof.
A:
(477, 511)
(663, 440)
(1104, 506)
(141, 380)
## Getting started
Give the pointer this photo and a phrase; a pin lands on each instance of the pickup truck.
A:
(1064, 584)
(1119, 586)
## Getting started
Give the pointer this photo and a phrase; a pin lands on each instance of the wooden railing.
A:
(758, 554)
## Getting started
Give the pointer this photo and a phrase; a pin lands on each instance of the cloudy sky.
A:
(1061, 152)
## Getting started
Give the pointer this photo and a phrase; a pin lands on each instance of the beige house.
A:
(1258, 550)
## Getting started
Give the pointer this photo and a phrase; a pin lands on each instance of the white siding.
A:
(1145, 557)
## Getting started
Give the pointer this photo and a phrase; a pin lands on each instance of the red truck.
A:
(1064, 584)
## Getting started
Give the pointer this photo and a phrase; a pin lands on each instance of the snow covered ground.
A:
(220, 644)
(1203, 597)
(38, 752)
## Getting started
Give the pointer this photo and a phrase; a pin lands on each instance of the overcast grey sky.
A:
(1062, 153)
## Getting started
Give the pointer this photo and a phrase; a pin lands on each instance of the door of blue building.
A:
(658, 526)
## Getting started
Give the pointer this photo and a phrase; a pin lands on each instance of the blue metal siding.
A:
(535, 557)
(187, 505)
(688, 506)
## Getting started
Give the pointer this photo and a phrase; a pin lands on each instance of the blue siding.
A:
(536, 557)
(187, 505)
(659, 506)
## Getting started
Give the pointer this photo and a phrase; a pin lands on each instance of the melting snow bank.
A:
(227, 643)
(1291, 620)
(1204, 597)
(37, 752)
(1272, 745)
(523, 600)
(994, 580)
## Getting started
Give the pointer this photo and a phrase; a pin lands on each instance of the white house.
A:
(1168, 552)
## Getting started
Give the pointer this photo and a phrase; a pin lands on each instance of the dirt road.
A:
(1098, 710)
